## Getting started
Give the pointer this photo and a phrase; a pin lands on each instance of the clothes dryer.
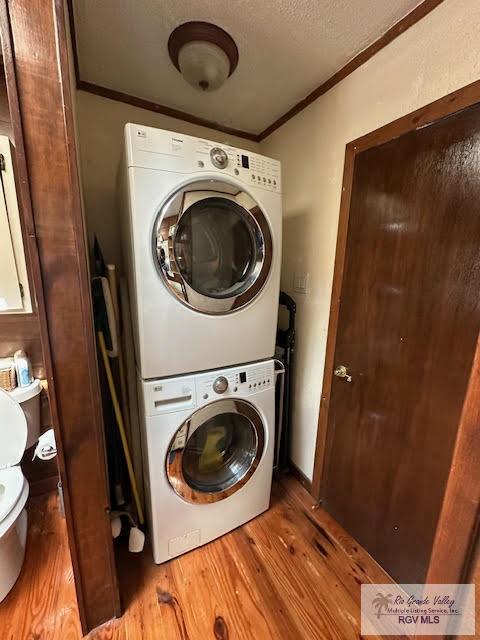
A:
(202, 241)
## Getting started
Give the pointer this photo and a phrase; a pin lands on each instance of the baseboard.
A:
(44, 485)
(300, 476)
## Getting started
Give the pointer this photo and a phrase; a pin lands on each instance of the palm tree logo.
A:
(382, 602)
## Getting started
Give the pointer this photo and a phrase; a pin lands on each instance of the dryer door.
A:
(212, 246)
(216, 451)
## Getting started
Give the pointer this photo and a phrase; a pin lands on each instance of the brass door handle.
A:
(341, 372)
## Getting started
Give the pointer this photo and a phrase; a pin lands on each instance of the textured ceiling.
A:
(286, 47)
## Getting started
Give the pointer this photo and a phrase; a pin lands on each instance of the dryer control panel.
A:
(250, 167)
(168, 151)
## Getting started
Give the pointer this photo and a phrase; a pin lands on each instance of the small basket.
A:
(8, 378)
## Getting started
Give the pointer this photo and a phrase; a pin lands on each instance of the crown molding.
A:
(126, 98)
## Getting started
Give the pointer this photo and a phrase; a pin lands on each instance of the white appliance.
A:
(208, 443)
(202, 241)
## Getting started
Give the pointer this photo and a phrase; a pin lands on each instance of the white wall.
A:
(100, 134)
(439, 54)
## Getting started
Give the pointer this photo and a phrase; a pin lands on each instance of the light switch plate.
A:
(300, 282)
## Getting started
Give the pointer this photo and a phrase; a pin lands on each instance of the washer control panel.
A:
(184, 393)
(236, 381)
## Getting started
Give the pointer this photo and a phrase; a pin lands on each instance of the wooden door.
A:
(408, 325)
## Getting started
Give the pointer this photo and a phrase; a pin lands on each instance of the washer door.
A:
(212, 247)
(216, 451)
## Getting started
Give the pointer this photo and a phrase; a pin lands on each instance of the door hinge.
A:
(3, 165)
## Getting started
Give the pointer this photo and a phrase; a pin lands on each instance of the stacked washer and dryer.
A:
(202, 244)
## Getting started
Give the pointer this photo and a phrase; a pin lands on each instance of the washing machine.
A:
(208, 444)
(202, 229)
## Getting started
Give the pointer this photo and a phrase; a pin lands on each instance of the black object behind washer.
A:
(285, 351)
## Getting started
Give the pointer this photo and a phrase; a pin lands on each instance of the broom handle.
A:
(121, 427)
(112, 281)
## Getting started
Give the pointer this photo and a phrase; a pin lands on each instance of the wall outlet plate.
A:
(300, 282)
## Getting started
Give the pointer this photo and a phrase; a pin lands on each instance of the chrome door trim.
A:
(168, 269)
(176, 449)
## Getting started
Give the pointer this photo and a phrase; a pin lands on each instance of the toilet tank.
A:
(29, 399)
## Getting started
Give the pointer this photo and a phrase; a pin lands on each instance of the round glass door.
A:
(213, 247)
(216, 451)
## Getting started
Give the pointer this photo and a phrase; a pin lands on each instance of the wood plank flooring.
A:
(292, 573)
(43, 605)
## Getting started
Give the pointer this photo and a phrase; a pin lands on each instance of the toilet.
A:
(18, 430)
(29, 399)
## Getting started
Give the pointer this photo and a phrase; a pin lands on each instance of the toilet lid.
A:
(13, 431)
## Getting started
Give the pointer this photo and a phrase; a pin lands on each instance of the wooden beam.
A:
(37, 70)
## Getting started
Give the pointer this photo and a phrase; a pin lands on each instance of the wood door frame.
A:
(459, 516)
(36, 58)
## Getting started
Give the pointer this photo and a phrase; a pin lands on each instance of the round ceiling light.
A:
(205, 54)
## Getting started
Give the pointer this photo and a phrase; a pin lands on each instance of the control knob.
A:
(218, 157)
(220, 385)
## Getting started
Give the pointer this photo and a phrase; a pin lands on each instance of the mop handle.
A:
(121, 428)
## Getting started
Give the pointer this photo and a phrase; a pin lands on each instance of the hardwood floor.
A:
(43, 605)
(292, 573)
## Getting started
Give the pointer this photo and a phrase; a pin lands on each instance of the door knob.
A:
(341, 372)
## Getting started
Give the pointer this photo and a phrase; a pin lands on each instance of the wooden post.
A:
(35, 50)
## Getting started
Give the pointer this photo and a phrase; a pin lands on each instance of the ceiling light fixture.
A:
(205, 54)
